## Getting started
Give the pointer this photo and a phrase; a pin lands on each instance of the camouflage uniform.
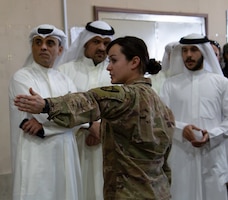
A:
(136, 132)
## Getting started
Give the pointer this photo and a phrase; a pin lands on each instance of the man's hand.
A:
(31, 104)
(203, 141)
(94, 136)
(188, 134)
(32, 126)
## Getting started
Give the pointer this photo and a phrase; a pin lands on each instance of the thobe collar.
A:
(190, 73)
(41, 68)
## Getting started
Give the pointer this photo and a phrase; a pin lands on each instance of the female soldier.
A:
(136, 127)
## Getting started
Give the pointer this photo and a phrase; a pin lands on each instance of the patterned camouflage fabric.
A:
(136, 130)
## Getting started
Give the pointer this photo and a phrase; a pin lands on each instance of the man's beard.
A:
(198, 65)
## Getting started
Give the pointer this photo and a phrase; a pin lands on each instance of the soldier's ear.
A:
(135, 62)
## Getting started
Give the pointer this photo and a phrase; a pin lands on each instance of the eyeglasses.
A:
(215, 43)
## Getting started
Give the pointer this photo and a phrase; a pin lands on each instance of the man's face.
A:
(95, 49)
(46, 50)
(192, 57)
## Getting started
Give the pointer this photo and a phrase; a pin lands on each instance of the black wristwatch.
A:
(46, 108)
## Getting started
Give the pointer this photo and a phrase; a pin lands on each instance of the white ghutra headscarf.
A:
(174, 62)
(44, 31)
(92, 29)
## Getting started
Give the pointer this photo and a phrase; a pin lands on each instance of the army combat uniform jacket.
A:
(136, 131)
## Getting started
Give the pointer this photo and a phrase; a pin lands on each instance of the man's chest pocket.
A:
(209, 108)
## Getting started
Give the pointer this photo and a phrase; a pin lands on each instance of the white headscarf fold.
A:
(167, 54)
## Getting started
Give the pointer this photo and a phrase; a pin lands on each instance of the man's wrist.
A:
(46, 107)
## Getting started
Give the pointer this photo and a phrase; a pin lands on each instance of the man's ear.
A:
(60, 50)
(135, 62)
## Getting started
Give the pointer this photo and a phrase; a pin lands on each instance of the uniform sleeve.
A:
(78, 108)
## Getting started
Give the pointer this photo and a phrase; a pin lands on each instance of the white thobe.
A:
(86, 75)
(48, 168)
(199, 98)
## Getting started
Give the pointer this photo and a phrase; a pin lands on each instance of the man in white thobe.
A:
(86, 66)
(45, 160)
(197, 93)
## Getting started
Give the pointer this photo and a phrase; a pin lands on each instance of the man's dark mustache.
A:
(99, 51)
(189, 60)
